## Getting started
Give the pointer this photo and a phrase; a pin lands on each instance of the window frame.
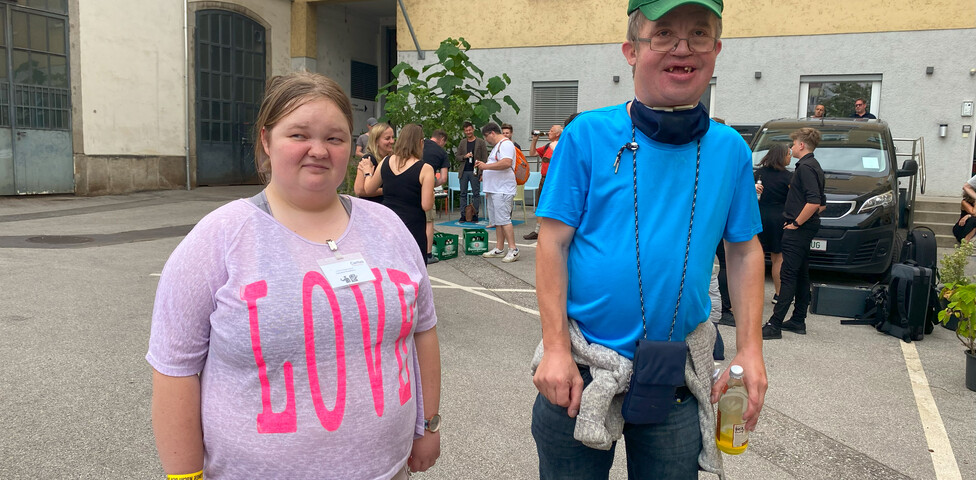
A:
(874, 103)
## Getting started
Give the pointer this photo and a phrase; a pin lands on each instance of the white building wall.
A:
(132, 73)
(912, 102)
(134, 96)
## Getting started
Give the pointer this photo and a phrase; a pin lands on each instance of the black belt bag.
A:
(659, 369)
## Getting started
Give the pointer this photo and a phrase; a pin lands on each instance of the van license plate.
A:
(818, 245)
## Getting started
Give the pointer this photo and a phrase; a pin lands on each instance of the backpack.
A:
(520, 166)
(877, 308)
(909, 294)
(920, 246)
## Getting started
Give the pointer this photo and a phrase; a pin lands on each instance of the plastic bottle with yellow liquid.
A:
(730, 430)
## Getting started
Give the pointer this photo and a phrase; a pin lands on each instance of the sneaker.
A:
(727, 319)
(771, 332)
(512, 256)
(475, 219)
(795, 326)
(462, 220)
(432, 259)
(775, 298)
(531, 236)
(493, 253)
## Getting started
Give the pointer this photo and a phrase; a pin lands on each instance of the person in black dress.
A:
(775, 184)
(407, 183)
(378, 147)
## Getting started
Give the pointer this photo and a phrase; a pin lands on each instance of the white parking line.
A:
(459, 287)
(943, 459)
(476, 291)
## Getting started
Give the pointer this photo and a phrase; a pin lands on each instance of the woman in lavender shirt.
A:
(293, 333)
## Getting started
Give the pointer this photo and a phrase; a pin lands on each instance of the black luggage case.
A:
(839, 301)
(908, 293)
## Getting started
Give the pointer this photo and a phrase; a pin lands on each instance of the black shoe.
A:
(727, 318)
(462, 220)
(775, 298)
(771, 332)
(475, 219)
(531, 236)
(795, 326)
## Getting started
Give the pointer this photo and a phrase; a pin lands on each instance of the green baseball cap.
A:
(655, 9)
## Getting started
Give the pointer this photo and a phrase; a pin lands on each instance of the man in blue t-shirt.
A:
(647, 190)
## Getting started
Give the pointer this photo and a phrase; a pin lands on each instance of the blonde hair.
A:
(377, 131)
(409, 144)
(808, 136)
(284, 94)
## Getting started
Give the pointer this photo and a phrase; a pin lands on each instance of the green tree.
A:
(445, 94)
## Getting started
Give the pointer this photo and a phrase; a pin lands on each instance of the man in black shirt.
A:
(804, 202)
(436, 157)
(470, 149)
(861, 109)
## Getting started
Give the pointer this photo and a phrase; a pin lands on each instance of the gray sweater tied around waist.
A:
(600, 421)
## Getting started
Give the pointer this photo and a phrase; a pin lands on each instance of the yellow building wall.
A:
(531, 23)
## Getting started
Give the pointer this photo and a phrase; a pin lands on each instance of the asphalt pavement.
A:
(76, 292)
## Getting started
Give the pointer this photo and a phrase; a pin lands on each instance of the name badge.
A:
(351, 270)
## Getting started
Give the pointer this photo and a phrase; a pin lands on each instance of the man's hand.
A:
(754, 378)
(424, 452)
(558, 379)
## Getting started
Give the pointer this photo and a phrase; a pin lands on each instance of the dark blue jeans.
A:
(665, 451)
(467, 179)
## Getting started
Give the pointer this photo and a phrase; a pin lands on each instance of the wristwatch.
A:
(433, 424)
(797, 225)
(367, 174)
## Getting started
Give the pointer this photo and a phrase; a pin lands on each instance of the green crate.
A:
(445, 246)
(475, 241)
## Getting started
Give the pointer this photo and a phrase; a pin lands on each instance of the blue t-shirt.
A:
(603, 295)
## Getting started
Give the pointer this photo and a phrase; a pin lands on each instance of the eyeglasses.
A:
(665, 42)
(858, 104)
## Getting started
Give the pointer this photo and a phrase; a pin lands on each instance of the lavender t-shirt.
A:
(299, 379)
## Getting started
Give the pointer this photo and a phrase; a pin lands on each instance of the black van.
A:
(867, 216)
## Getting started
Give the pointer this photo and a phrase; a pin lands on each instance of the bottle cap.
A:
(735, 371)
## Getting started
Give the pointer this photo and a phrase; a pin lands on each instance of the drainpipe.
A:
(186, 89)
(406, 18)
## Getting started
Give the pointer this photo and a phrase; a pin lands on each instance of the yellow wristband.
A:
(188, 476)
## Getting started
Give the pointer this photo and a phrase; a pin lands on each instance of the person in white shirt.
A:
(498, 183)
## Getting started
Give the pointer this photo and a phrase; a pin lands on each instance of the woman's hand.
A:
(759, 188)
(963, 220)
(424, 452)
(366, 166)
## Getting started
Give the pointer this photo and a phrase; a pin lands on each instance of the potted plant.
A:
(952, 274)
(960, 305)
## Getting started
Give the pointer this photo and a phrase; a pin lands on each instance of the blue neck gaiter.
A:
(675, 127)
